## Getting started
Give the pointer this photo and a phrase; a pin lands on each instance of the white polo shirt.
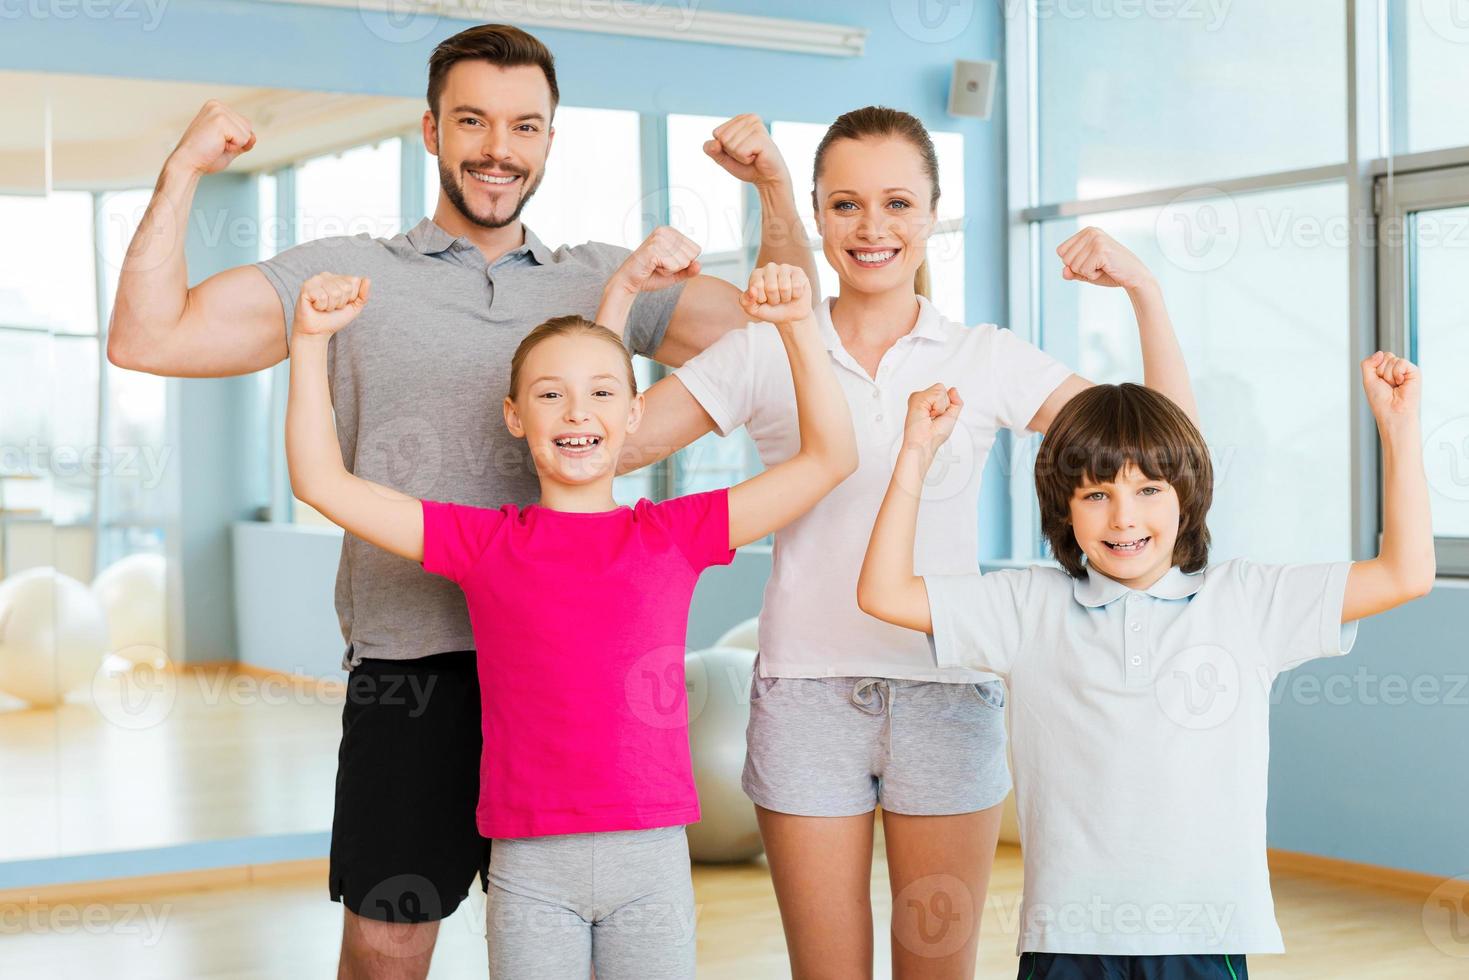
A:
(1140, 732)
(810, 625)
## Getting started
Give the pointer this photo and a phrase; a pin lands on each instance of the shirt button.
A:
(1137, 661)
(876, 393)
(877, 418)
(1135, 627)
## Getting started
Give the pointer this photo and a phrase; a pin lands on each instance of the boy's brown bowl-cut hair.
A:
(1095, 436)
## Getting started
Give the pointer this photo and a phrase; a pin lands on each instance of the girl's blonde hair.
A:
(884, 123)
(567, 326)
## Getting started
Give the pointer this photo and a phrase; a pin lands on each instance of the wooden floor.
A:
(199, 754)
(287, 928)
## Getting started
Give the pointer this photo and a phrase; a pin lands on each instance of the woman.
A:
(849, 713)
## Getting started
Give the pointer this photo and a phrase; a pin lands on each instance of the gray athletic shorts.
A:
(840, 746)
(621, 901)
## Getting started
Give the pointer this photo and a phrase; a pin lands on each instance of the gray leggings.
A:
(621, 901)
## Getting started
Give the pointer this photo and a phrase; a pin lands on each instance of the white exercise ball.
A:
(53, 635)
(133, 593)
(745, 636)
(718, 682)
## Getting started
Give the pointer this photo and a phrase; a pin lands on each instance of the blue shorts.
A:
(1075, 966)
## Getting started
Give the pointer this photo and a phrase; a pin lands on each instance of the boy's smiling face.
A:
(1127, 526)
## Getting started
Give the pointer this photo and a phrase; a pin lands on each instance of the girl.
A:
(579, 609)
(849, 713)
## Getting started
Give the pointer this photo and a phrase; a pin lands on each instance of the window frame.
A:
(1396, 200)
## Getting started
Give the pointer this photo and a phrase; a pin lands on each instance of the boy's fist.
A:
(1393, 386)
(932, 415)
(777, 294)
(329, 302)
(1091, 255)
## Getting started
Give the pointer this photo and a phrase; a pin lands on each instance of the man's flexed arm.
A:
(232, 322)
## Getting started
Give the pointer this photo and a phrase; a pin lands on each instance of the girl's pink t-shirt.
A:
(581, 621)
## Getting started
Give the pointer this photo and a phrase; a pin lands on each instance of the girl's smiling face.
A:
(1127, 526)
(875, 211)
(574, 407)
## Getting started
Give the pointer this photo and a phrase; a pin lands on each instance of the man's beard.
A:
(456, 196)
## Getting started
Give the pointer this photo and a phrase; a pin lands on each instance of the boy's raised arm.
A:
(391, 520)
(887, 587)
(1405, 566)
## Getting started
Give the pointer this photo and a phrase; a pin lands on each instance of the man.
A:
(417, 387)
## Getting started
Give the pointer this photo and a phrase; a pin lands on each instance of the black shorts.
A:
(405, 847)
(1074, 966)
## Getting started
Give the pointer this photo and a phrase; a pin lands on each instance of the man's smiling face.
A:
(493, 134)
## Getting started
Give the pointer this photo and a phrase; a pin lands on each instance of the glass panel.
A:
(1441, 335)
(1261, 312)
(119, 215)
(47, 277)
(704, 202)
(1158, 95)
(1432, 61)
(272, 237)
(592, 190)
(350, 193)
(76, 457)
(946, 274)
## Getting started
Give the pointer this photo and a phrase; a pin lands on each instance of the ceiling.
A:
(116, 132)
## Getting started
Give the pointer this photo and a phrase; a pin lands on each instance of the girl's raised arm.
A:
(781, 294)
(391, 520)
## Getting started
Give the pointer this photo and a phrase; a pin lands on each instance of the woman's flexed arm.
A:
(781, 295)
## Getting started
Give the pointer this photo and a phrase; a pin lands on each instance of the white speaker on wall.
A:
(972, 89)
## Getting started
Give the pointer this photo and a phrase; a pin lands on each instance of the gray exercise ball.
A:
(718, 684)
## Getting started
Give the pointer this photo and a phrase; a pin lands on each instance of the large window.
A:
(1239, 169)
(83, 441)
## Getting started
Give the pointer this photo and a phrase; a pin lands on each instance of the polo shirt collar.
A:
(930, 325)
(1097, 589)
(430, 239)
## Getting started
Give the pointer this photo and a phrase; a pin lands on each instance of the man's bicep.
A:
(705, 310)
(234, 322)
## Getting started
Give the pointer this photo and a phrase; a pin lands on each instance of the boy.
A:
(1141, 680)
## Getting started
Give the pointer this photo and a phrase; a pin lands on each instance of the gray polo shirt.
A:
(417, 382)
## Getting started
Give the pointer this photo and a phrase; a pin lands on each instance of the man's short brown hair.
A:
(1095, 436)
(499, 44)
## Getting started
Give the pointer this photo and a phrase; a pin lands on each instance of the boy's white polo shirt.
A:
(810, 625)
(1140, 731)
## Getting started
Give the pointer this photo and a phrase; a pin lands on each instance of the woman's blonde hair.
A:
(567, 326)
(884, 123)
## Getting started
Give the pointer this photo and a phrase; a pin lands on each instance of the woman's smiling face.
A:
(875, 211)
